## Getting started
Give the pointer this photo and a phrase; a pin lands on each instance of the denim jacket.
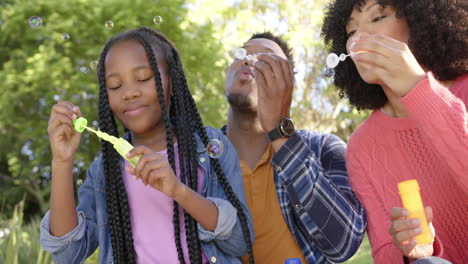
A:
(225, 245)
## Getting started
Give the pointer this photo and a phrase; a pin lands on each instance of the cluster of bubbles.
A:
(215, 148)
(36, 22)
(241, 54)
(332, 61)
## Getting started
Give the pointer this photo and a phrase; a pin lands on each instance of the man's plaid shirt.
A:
(322, 212)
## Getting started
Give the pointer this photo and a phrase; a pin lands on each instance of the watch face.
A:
(287, 127)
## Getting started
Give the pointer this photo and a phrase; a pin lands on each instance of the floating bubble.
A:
(215, 148)
(240, 53)
(332, 60)
(79, 182)
(93, 65)
(35, 22)
(342, 57)
(84, 69)
(56, 97)
(329, 72)
(109, 24)
(65, 36)
(157, 20)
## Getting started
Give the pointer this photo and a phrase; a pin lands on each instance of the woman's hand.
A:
(64, 139)
(390, 63)
(403, 230)
(154, 169)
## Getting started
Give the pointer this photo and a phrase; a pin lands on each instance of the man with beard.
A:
(295, 181)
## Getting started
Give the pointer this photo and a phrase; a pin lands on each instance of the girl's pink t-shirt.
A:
(151, 214)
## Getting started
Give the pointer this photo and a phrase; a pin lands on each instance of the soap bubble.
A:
(342, 57)
(56, 97)
(240, 53)
(249, 57)
(65, 36)
(157, 20)
(109, 24)
(79, 182)
(332, 60)
(35, 22)
(84, 69)
(329, 72)
(215, 148)
(93, 65)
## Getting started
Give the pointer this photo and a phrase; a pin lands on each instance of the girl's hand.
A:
(403, 230)
(64, 139)
(389, 60)
(154, 169)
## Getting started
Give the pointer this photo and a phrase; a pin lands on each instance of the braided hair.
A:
(183, 121)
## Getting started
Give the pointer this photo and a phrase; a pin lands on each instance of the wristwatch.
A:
(285, 128)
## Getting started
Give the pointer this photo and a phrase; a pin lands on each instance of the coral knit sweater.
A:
(430, 145)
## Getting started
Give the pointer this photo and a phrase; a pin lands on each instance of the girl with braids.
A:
(177, 205)
(411, 69)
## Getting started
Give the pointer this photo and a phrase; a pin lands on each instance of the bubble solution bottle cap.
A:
(412, 201)
(120, 145)
(293, 261)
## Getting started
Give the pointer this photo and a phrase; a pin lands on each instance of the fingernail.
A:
(135, 178)
(405, 213)
(414, 241)
(74, 117)
(75, 109)
(418, 230)
(415, 222)
(351, 47)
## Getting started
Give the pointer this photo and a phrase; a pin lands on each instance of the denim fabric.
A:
(225, 245)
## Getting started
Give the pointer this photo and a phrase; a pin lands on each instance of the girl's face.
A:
(373, 19)
(131, 86)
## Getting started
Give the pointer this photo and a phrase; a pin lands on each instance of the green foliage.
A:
(19, 243)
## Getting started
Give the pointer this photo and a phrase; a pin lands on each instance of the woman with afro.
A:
(409, 64)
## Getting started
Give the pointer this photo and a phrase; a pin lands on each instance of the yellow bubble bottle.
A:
(411, 199)
(120, 145)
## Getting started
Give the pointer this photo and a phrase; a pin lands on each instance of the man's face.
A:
(241, 88)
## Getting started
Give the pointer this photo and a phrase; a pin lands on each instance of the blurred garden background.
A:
(41, 63)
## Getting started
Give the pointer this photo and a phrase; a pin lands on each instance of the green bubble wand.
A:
(120, 145)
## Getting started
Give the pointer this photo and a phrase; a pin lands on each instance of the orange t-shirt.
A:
(274, 242)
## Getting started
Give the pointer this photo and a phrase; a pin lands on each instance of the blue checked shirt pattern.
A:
(315, 197)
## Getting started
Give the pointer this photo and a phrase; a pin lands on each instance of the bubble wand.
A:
(120, 145)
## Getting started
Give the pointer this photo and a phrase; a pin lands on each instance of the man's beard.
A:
(241, 102)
